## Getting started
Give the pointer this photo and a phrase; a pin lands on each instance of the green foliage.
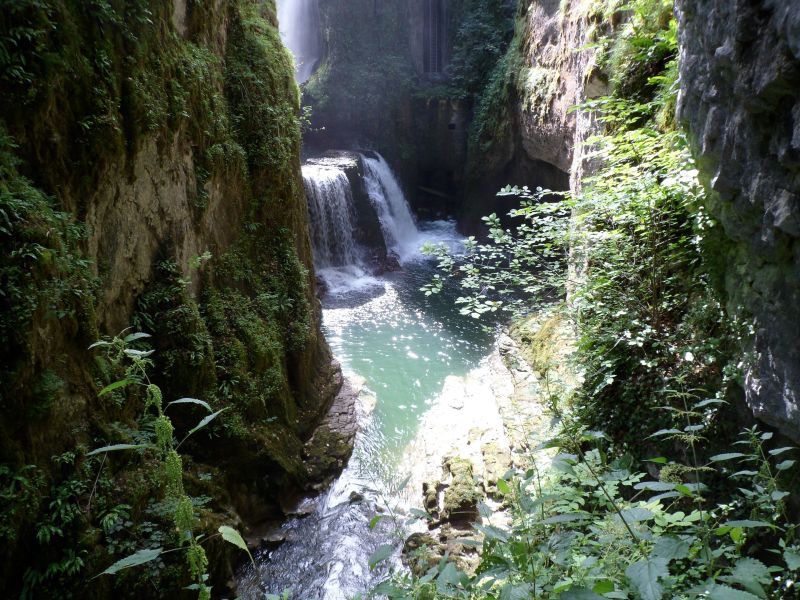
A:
(170, 469)
(483, 30)
(258, 82)
(593, 526)
(43, 274)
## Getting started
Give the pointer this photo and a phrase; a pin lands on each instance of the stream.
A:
(404, 346)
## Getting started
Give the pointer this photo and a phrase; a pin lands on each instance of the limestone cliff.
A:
(740, 76)
(150, 176)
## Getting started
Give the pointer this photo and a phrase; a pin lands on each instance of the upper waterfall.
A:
(300, 31)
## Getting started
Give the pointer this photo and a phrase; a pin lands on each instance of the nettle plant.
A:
(165, 446)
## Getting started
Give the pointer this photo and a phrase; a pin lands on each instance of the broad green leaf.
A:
(744, 524)
(98, 344)
(566, 518)
(670, 548)
(381, 554)
(724, 592)
(389, 589)
(190, 401)
(581, 594)
(726, 456)
(750, 574)
(636, 514)
(660, 460)
(792, 558)
(744, 474)
(114, 386)
(654, 486)
(661, 432)
(493, 533)
(503, 486)
(644, 575)
(139, 353)
(708, 402)
(230, 535)
(116, 447)
(785, 465)
(515, 591)
(450, 577)
(134, 560)
(373, 522)
(603, 587)
(778, 451)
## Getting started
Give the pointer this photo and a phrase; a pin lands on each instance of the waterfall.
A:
(398, 225)
(341, 258)
(330, 206)
(300, 32)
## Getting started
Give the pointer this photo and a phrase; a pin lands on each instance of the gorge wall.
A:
(740, 76)
(739, 106)
(150, 176)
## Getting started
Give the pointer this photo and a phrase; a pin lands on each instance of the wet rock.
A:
(299, 508)
(391, 263)
(740, 76)
(421, 552)
(355, 497)
(331, 445)
(430, 494)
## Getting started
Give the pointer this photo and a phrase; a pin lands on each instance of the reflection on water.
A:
(404, 345)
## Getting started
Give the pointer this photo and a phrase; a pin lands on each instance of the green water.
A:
(405, 345)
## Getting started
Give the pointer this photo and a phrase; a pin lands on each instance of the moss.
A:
(85, 85)
(539, 340)
(462, 495)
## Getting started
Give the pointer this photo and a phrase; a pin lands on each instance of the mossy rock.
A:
(422, 552)
(462, 495)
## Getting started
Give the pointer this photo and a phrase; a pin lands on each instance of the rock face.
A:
(150, 154)
(740, 100)
(527, 134)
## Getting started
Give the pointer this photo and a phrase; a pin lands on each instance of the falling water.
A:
(399, 229)
(337, 257)
(330, 205)
(299, 25)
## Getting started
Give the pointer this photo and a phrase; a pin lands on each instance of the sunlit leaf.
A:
(117, 447)
(230, 535)
(114, 386)
(190, 401)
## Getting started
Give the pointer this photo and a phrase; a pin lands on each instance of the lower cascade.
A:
(399, 229)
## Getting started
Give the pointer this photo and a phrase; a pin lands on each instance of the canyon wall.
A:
(740, 102)
(149, 155)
